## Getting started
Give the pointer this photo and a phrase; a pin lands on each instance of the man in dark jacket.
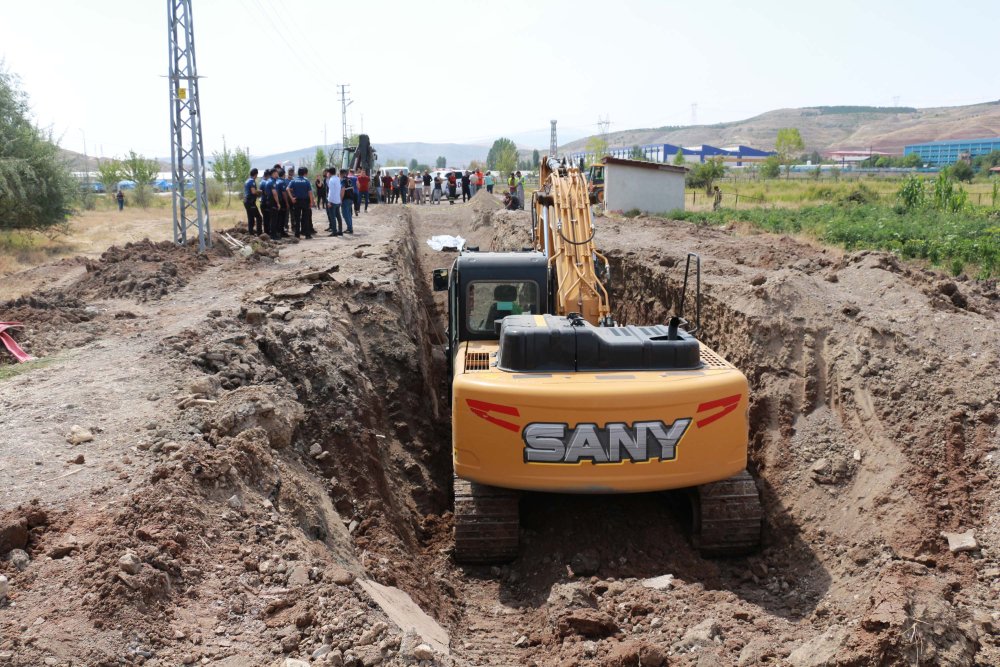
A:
(250, 192)
(466, 192)
(301, 194)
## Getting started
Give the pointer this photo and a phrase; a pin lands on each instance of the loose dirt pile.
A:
(483, 205)
(142, 271)
(52, 321)
(294, 461)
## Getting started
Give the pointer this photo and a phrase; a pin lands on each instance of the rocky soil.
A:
(236, 461)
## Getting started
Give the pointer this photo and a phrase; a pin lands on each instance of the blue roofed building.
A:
(733, 156)
(950, 151)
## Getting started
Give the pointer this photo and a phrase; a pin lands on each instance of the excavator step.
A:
(728, 517)
(487, 523)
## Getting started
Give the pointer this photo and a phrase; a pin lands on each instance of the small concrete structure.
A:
(650, 187)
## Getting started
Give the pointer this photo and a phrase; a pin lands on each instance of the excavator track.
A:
(728, 517)
(487, 523)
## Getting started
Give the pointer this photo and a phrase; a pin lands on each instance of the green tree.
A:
(36, 187)
(636, 153)
(319, 161)
(441, 162)
(882, 162)
(506, 159)
(110, 173)
(224, 169)
(770, 167)
(788, 143)
(962, 171)
(536, 159)
(142, 171)
(241, 163)
(912, 161)
(679, 158)
(598, 146)
(499, 147)
(703, 175)
(413, 164)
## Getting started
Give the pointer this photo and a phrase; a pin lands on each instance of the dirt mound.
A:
(142, 271)
(483, 205)
(52, 321)
(511, 230)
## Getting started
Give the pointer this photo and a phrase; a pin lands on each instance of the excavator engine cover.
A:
(550, 343)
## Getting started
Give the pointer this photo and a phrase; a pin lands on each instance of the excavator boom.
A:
(564, 232)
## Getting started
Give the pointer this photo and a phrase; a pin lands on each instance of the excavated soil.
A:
(269, 473)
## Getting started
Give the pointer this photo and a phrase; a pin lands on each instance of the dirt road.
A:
(269, 471)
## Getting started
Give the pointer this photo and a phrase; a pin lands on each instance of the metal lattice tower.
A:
(345, 101)
(187, 153)
(553, 144)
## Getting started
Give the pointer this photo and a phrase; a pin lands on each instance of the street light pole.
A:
(86, 161)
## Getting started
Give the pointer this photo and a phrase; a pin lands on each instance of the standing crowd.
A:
(286, 203)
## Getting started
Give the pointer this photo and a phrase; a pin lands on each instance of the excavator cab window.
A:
(489, 301)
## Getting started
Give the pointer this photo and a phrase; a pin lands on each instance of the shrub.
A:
(36, 188)
(214, 192)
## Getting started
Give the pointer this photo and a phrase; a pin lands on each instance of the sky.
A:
(470, 71)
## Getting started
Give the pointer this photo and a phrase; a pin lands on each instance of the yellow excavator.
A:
(550, 394)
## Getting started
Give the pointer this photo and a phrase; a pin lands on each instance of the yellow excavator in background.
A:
(550, 394)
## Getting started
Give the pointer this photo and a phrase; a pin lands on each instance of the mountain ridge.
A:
(826, 128)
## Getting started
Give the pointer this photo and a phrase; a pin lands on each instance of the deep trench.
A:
(400, 492)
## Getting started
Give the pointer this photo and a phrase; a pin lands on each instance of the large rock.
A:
(13, 534)
(588, 623)
(258, 406)
(701, 635)
(635, 654)
(820, 651)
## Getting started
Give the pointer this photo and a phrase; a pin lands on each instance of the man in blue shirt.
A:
(250, 204)
(301, 194)
(333, 213)
(267, 200)
(280, 188)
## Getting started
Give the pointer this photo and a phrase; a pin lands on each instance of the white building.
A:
(650, 187)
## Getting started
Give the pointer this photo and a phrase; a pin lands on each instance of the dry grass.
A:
(89, 233)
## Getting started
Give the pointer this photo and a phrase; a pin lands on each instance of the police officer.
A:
(301, 193)
(250, 193)
(267, 201)
(280, 191)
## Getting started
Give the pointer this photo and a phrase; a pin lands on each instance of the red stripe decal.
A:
(483, 409)
(728, 404)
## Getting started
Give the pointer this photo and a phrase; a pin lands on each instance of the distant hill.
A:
(459, 155)
(828, 128)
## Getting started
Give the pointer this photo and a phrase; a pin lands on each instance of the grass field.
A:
(967, 241)
(90, 233)
(796, 192)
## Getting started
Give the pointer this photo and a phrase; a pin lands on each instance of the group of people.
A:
(285, 200)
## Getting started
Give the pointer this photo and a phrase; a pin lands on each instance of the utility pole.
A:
(553, 144)
(86, 163)
(187, 153)
(345, 101)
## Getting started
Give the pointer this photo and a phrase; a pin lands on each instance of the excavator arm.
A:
(564, 232)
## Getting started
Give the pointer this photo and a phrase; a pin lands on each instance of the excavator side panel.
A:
(614, 432)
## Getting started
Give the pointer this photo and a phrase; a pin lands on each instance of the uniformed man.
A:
(267, 201)
(301, 193)
(280, 188)
(250, 193)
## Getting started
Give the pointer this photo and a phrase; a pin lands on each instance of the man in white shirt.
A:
(333, 197)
